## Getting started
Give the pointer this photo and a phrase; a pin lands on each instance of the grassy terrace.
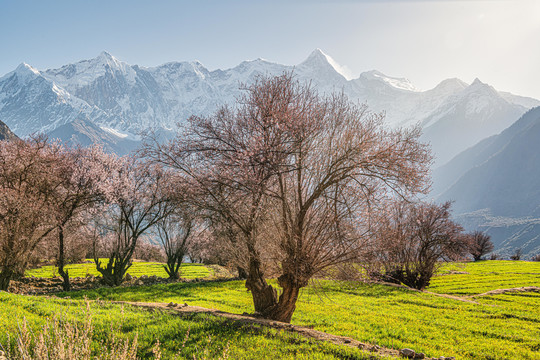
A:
(504, 326)
(484, 276)
(188, 271)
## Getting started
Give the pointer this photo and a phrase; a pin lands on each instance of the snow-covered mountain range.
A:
(106, 100)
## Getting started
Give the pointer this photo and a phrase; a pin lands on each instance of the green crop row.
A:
(139, 268)
(480, 277)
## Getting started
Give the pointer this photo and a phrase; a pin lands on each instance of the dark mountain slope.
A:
(505, 176)
(6, 133)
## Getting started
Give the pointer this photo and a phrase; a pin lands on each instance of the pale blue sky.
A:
(497, 41)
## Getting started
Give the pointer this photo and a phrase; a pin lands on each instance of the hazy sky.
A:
(427, 41)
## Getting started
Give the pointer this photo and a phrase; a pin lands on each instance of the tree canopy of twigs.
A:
(294, 174)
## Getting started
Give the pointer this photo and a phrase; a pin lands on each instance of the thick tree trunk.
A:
(284, 309)
(66, 285)
(264, 295)
(61, 261)
(5, 278)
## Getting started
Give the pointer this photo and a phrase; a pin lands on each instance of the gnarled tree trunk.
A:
(284, 309)
(264, 295)
(5, 277)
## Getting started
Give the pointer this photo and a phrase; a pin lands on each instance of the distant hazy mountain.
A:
(85, 133)
(6, 133)
(496, 184)
(466, 118)
(123, 100)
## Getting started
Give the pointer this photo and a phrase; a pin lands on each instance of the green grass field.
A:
(504, 326)
(208, 337)
(483, 276)
(139, 268)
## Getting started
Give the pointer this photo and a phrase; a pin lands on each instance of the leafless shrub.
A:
(517, 254)
(480, 245)
(411, 242)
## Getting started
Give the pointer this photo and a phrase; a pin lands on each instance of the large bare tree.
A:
(295, 173)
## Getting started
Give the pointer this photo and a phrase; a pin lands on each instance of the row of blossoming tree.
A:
(288, 184)
(50, 191)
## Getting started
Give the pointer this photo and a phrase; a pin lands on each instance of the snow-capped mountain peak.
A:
(318, 59)
(479, 88)
(24, 72)
(106, 56)
(106, 60)
(477, 82)
(26, 68)
(317, 56)
(450, 85)
(85, 72)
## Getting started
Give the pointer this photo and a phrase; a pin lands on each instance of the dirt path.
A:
(250, 320)
(454, 297)
(469, 298)
(502, 291)
(434, 294)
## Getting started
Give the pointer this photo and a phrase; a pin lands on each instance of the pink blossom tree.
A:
(480, 245)
(28, 183)
(174, 233)
(137, 196)
(82, 173)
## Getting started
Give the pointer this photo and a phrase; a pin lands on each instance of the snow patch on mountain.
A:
(115, 132)
(398, 83)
